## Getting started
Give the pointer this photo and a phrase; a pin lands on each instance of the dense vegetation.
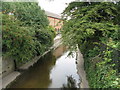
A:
(95, 28)
(26, 30)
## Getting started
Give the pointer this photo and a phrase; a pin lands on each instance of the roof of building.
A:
(52, 15)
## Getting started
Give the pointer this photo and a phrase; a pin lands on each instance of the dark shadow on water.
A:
(36, 76)
(71, 83)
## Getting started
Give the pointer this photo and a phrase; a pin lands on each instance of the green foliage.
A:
(26, 30)
(18, 42)
(28, 12)
(100, 70)
(44, 39)
(51, 31)
(90, 22)
(88, 25)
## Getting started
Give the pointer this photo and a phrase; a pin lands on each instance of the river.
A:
(54, 70)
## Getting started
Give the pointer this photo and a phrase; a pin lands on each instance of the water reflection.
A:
(38, 75)
(50, 71)
(59, 51)
(65, 66)
(71, 82)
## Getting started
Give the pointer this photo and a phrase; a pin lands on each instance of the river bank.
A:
(81, 71)
(57, 42)
(54, 70)
(13, 75)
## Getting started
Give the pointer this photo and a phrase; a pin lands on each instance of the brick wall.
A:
(56, 23)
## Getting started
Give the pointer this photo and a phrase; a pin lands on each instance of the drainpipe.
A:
(54, 22)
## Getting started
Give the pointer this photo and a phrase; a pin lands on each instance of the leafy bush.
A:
(51, 31)
(18, 42)
(44, 40)
(101, 70)
(94, 27)
(26, 30)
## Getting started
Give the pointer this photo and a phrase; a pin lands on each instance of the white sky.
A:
(54, 6)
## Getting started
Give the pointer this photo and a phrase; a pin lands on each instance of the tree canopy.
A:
(90, 20)
(26, 30)
(29, 13)
(95, 28)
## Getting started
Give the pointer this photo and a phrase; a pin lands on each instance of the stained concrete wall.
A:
(0, 69)
(7, 66)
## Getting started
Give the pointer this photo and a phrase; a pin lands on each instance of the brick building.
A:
(55, 21)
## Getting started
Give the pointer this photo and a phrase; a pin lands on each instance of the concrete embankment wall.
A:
(80, 66)
(0, 67)
(7, 66)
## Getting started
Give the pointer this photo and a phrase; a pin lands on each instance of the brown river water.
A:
(51, 71)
